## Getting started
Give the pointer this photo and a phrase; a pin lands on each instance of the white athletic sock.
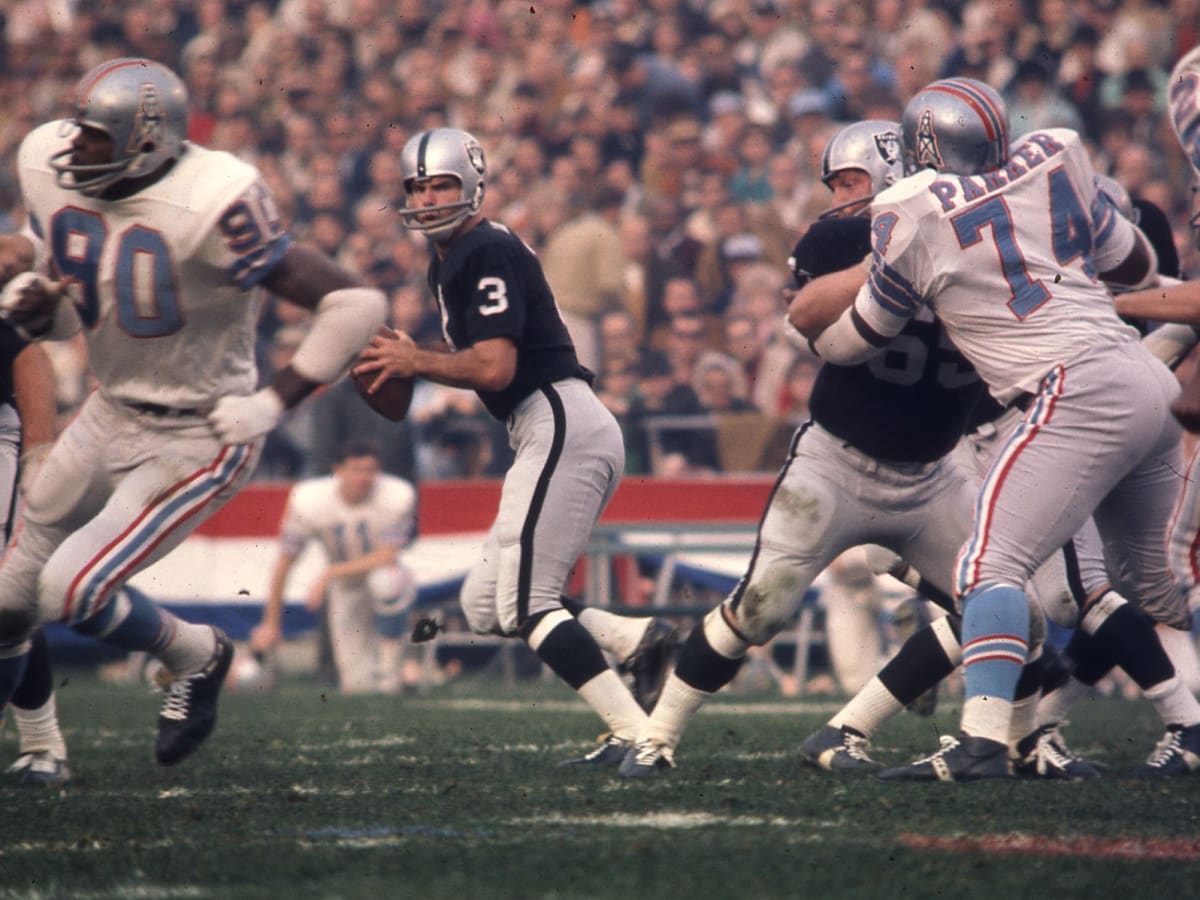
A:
(987, 717)
(618, 635)
(1053, 707)
(1173, 702)
(676, 706)
(1180, 648)
(38, 729)
(190, 649)
(608, 696)
(868, 709)
(1024, 718)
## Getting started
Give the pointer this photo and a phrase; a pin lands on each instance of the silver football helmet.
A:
(142, 106)
(443, 151)
(956, 125)
(872, 146)
(1183, 97)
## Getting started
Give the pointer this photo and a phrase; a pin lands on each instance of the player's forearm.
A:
(34, 390)
(273, 606)
(361, 565)
(1175, 303)
(822, 301)
(478, 368)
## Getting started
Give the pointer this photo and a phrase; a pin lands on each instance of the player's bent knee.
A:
(766, 605)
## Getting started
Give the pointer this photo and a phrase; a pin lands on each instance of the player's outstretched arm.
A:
(822, 301)
(1173, 303)
(346, 313)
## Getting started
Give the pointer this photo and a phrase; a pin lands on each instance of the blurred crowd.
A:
(661, 156)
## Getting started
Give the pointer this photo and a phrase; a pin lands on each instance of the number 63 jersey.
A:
(1007, 260)
(163, 279)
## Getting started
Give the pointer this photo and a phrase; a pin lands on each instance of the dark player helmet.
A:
(956, 125)
(142, 106)
(443, 151)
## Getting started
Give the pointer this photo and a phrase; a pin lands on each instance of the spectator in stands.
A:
(685, 446)
(584, 264)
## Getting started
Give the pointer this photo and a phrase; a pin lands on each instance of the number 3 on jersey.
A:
(497, 295)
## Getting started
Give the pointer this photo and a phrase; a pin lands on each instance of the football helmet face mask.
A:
(956, 125)
(443, 151)
(1183, 98)
(142, 106)
(872, 146)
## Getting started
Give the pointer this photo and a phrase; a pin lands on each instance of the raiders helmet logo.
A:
(887, 145)
(475, 156)
(928, 153)
(148, 121)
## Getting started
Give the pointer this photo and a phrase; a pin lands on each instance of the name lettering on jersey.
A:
(960, 190)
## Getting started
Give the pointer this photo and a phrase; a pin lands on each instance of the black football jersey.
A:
(910, 403)
(491, 285)
(10, 345)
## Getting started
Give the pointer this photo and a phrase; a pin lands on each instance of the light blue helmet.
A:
(443, 151)
(956, 125)
(1183, 97)
(142, 106)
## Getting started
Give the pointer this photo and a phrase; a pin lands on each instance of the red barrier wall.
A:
(448, 507)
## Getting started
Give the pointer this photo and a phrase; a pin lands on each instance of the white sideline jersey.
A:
(316, 512)
(164, 278)
(1011, 257)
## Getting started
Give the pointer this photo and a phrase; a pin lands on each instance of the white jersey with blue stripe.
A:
(163, 278)
(1007, 260)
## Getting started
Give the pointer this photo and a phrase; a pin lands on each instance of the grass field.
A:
(303, 794)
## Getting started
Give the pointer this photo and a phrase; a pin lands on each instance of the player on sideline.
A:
(362, 519)
(986, 220)
(160, 245)
(506, 341)
(870, 467)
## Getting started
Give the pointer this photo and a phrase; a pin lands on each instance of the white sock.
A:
(1024, 719)
(987, 717)
(1173, 702)
(618, 635)
(676, 705)
(608, 696)
(868, 709)
(190, 649)
(1053, 707)
(1181, 650)
(38, 729)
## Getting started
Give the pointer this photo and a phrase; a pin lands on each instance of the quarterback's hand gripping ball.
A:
(392, 397)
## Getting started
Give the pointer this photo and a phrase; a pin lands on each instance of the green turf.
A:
(457, 795)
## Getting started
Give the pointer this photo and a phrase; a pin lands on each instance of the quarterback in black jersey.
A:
(506, 341)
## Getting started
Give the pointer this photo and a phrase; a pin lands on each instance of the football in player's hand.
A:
(391, 400)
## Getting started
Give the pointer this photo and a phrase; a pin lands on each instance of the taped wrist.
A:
(343, 322)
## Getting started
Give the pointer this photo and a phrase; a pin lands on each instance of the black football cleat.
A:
(964, 758)
(189, 709)
(610, 753)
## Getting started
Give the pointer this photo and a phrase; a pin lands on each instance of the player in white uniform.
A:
(1005, 244)
(160, 245)
(361, 519)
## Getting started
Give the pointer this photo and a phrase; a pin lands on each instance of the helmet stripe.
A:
(421, 153)
(86, 89)
(993, 120)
